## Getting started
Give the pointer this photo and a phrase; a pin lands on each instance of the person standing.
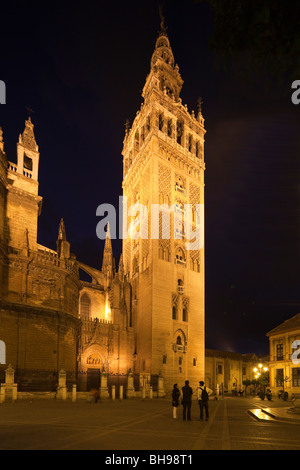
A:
(203, 394)
(187, 393)
(175, 400)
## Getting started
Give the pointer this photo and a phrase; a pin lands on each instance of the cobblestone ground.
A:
(141, 425)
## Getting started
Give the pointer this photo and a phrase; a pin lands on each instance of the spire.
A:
(121, 268)
(27, 139)
(62, 231)
(108, 247)
(63, 246)
(108, 261)
(164, 73)
(163, 28)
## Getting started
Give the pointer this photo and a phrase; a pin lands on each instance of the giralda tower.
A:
(163, 164)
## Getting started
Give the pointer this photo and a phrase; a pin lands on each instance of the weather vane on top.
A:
(30, 110)
(163, 28)
(199, 105)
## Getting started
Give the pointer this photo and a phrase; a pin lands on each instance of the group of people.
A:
(203, 394)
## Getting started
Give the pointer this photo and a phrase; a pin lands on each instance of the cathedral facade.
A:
(146, 315)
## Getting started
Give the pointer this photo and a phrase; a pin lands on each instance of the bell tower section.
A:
(23, 200)
(163, 167)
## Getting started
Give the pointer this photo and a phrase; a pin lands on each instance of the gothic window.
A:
(179, 186)
(179, 256)
(178, 341)
(85, 307)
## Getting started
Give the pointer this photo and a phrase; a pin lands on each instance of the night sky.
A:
(81, 69)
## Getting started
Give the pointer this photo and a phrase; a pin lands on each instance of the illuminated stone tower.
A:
(163, 159)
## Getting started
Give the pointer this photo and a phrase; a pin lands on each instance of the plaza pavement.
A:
(146, 425)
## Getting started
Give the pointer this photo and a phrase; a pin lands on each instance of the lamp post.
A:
(261, 377)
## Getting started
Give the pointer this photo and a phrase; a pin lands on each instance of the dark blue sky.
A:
(82, 68)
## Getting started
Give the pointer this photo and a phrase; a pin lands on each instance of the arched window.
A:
(178, 341)
(174, 313)
(180, 286)
(180, 256)
(85, 306)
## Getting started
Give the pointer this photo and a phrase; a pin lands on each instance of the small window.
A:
(178, 341)
(180, 360)
(160, 121)
(179, 132)
(220, 369)
(27, 163)
(164, 359)
(174, 313)
(184, 314)
(296, 377)
(194, 362)
(279, 350)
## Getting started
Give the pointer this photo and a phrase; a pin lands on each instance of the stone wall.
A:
(39, 342)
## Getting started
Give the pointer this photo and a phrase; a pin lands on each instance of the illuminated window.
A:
(85, 307)
(279, 352)
(296, 377)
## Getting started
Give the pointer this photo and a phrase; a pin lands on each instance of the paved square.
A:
(143, 425)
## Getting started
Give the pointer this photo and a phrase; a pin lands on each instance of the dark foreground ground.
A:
(146, 425)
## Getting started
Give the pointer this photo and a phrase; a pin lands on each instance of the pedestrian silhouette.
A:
(203, 394)
(187, 393)
(175, 400)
